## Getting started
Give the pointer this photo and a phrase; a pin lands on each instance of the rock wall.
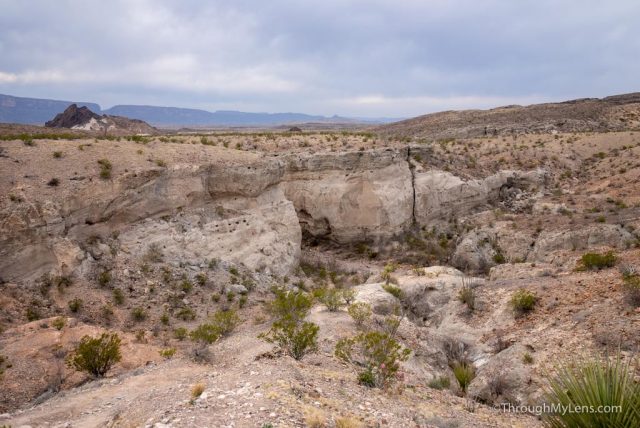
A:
(349, 197)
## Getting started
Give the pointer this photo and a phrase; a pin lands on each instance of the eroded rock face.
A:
(440, 195)
(351, 196)
(193, 213)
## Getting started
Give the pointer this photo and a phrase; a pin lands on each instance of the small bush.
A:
(185, 314)
(57, 154)
(631, 289)
(180, 333)
(289, 331)
(104, 278)
(591, 261)
(138, 314)
(164, 319)
(167, 353)
(349, 295)
(440, 383)
(197, 390)
(377, 352)
(201, 279)
(153, 254)
(225, 322)
(330, 297)
(186, 286)
(527, 358)
(75, 305)
(118, 296)
(54, 182)
(59, 323)
(96, 355)
(386, 273)
(393, 290)
(593, 384)
(360, 312)
(523, 301)
(33, 313)
(464, 373)
(105, 168)
(467, 295)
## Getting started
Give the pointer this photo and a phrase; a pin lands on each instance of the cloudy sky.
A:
(393, 58)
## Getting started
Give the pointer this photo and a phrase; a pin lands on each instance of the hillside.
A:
(615, 113)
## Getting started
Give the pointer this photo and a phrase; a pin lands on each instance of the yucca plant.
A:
(595, 383)
(464, 373)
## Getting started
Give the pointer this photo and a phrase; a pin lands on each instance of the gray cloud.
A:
(357, 57)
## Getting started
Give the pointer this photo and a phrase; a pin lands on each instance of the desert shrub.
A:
(96, 355)
(201, 279)
(141, 336)
(197, 390)
(527, 358)
(33, 313)
(522, 301)
(387, 271)
(167, 353)
(118, 296)
(393, 290)
(180, 333)
(164, 319)
(186, 285)
(75, 305)
(464, 372)
(440, 383)
(153, 254)
(595, 383)
(360, 312)
(105, 168)
(59, 323)
(185, 314)
(242, 301)
(138, 314)
(631, 289)
(590, 261)
(349, 295)
(230, 296)
(54, 182)
(499, 258)
(348, 422)
(467, 295)
(377, 353)
(225, 321)
(289, 331)
(104, 278)
(206, 334)
(332, 298)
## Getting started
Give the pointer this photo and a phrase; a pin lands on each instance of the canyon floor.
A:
(148, 236)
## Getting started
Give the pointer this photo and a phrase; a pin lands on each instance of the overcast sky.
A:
(393, 58)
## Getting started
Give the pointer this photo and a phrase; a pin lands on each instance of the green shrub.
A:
(527, 358)
(96, 355)
(186, 286)
(464, 372)
(105, 168)
(164, 319)
(467, 295)
(75, 305)
(377, 352)
(59, 323)
(104, 278)
(118, 296)
(607, 382)
(185, 314)
(330, 297)
(180, 333)
(289, 331)
(167, 353)
(393, 290)
(388, 270)
(590, 261)
(33, 313)
(221, 324)
(360, 312)
(205, 334)
(631, 289)
(349, 295)
(499, 258)
(523, 301)
(138, 314)
(440, 383)
(201, 279)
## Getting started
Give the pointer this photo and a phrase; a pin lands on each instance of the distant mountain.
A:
(38, 111)
(82, 118)
(614, 113)
(34, 111)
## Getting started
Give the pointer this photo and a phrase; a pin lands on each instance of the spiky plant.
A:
(594, 383)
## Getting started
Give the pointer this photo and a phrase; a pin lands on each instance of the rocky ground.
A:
(179, 226)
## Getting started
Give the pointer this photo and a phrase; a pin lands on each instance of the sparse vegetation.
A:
(591, 261)
(105, 168)
(523, 301)
(360, 312)
(464, 373)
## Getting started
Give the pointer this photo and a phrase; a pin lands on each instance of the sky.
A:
(357, 58)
